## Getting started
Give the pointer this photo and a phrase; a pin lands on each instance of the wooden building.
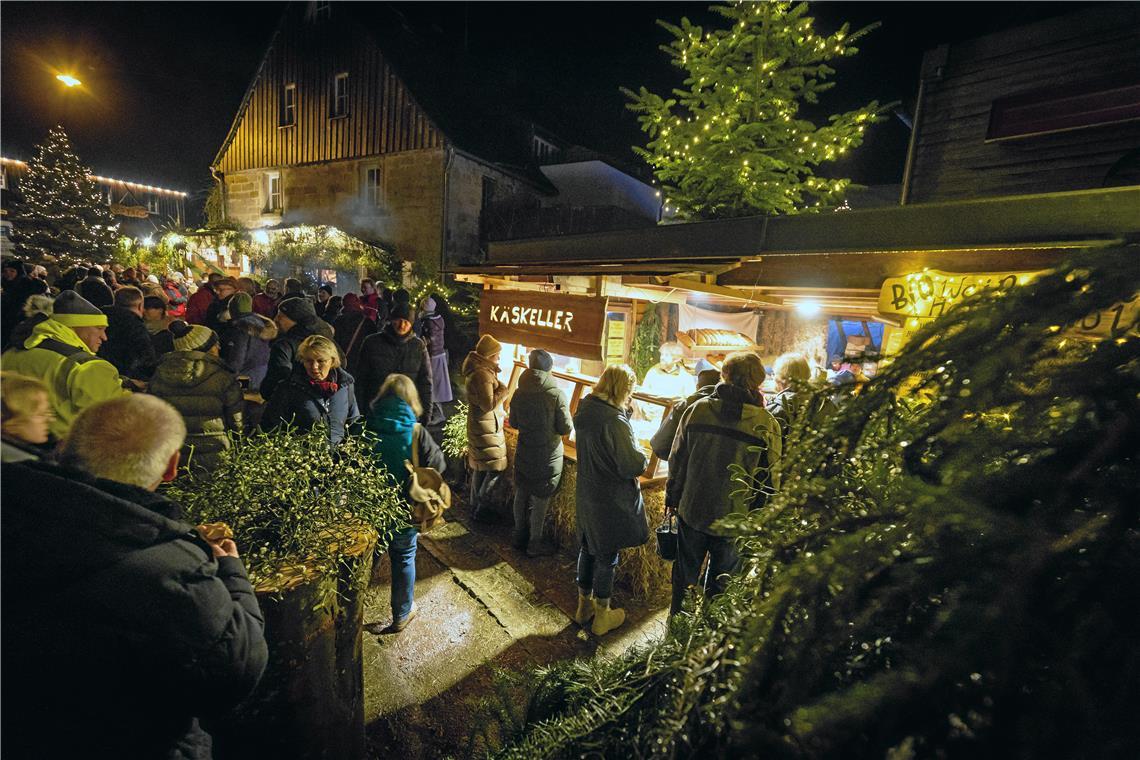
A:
(1047, 107)
(353, 120)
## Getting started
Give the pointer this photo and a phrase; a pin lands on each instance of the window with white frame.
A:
(339, 96)
(373, 181)
(3, 177)
(322, 9)
(273, 191)
(289, 106)
(152, 204)
(109, 195)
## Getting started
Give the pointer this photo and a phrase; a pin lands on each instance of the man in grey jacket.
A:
(123, 625)
(719, 438)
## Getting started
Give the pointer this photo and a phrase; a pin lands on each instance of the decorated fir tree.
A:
(60, 217)
(733, 141)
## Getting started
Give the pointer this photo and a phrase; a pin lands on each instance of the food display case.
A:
(650, 412)
(702, 343)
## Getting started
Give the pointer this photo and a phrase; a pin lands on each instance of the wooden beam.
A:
(683, 283)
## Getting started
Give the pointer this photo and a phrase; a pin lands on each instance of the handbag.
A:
(428, 492)
(667, 536)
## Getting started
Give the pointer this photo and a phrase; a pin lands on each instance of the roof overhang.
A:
(852, 249)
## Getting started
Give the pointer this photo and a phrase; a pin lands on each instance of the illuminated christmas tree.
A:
(59, 217)
(733, 142)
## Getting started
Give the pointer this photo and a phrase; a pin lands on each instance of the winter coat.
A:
(245, 346)
(121, 628)
(264, 305)
(387, 353)
(96, 291)
(128, 345)
(176, 296)
(207, 395)
(296, 402)
(791, 408)
(540, 413)
(486, 443)
(610, 511)
(198, 304)
(74, 376)
(662, 440)
(729, 429)
(283, 353)
(345, 327)
(218, 313)
(16, 294)
(392, 420)
(160, 338)
(431, 329)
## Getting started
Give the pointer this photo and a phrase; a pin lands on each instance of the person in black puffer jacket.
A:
(540, 413)
(395, 350)
(128, 345)
(296, 320)
(245, 340)
(317, 391)
(122, 625)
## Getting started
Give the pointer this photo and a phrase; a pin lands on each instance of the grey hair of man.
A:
(132, 439)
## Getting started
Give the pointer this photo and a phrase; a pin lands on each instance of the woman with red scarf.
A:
(317, 391)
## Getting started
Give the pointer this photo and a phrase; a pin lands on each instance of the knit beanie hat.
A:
(488, 347)
(327, 288)
(401, 310)
(300, 310)
(189, 337)
(541, 360)
(352, 302)
(429, 305)
(74, 310)
(241, 303)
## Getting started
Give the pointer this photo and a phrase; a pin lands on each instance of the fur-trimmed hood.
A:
(256, 326)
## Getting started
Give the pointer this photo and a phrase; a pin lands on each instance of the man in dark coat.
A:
(296, 320)
(128, 346)
(396, 349)
(662, 440)
(95, 289)
(123, 626)
(224, 289)
(352, 326)
(18, 288)
(728, 432)
(540, 413)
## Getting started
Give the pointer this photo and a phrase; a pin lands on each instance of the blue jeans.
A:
(530, 515)
(596, 573)
(483, 484)
(402, 552)
(692, 546)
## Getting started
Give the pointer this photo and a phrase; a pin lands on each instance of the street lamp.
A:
(68, 80)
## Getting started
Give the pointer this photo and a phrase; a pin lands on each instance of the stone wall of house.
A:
(407, 218)
(465, 204)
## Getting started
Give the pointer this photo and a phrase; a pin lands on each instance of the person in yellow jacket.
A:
(59, 351)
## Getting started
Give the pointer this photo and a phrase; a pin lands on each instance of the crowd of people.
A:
(113, 384)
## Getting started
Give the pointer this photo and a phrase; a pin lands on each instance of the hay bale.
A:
(640, 571)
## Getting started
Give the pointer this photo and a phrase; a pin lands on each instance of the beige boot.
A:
(585, 608)
(605, 619)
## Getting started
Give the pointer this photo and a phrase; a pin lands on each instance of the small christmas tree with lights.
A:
(733, 142)
(59, 217)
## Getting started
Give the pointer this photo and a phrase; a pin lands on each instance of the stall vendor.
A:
(669, 378)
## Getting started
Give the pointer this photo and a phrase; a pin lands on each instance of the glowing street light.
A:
(68, 80)
(808, 308)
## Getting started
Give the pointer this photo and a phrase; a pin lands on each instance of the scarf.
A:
(326, 389)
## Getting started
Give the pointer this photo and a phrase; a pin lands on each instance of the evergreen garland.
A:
(733, 142)
(58, 217)
(644, 352)
(947, 570)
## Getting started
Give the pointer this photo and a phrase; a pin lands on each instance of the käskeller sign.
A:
(561, 324)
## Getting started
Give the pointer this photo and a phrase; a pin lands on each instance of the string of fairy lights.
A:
(732, 140)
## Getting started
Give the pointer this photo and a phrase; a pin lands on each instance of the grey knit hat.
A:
(74, 310)
(299, 310)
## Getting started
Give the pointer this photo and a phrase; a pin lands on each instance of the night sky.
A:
(162, 80)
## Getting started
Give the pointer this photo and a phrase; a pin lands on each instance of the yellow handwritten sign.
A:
(928, 294)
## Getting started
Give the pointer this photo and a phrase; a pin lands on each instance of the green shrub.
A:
(290, 499)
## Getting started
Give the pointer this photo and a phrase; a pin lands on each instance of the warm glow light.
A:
(809, 308)
(68, 80)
